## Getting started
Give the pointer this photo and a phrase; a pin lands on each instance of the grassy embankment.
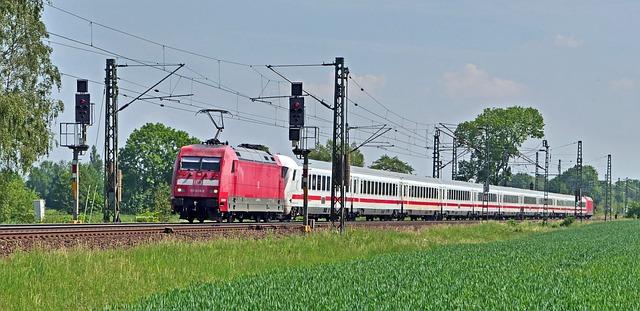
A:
(593, 267)
(83, 279)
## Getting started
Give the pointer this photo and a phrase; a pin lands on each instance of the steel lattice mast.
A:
(111, 180)
(339, 149)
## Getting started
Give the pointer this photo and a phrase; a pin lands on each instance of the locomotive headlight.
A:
(180, 189)
(215, 190)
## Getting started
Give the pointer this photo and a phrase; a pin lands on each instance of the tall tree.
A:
(503, 130)
(147, 162)
(521, 180)
(566, 183)
(323, 153)
(51, 181)
(16, 201)
(393, 164)
(27, 77)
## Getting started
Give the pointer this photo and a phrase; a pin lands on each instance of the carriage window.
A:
(312, 184)
(294, 174)
(318, 183)
(324, 183)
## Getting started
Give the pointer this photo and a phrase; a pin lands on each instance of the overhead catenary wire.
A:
(93, 48)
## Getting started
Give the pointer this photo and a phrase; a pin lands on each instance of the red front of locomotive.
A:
(201, 181)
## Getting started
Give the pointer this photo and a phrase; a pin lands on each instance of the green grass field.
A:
(86, 279)
(593, 267)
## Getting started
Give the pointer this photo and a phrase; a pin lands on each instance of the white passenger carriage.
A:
(388, 195)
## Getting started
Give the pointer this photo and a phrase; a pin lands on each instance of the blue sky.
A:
(426, 61)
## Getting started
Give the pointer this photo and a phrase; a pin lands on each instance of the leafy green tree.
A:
(393, 164)
(566, 183)
(521, 180)
(52, 182)
(323, 153)
(147, 162)
(27, 77)
(634, 210)
(162, 202)
(506, 129)
(16, 201)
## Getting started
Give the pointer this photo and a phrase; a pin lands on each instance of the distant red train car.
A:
(217, 181)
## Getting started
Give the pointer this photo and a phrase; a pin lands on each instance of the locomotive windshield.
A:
(200, 163)
(211, 164)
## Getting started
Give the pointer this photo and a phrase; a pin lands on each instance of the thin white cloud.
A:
(624, 84)
(475, 83)
(567, 41)
(369, 82)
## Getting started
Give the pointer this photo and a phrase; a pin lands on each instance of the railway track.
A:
(41, 231)
(44, 231)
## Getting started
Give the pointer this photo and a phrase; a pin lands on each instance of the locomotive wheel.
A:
(190, 219)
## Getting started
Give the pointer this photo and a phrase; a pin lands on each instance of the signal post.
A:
(74, 136)
(299, 137)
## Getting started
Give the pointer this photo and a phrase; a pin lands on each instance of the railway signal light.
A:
(296, 112)
(83, 108)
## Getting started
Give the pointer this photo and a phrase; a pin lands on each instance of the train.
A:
(223, 183)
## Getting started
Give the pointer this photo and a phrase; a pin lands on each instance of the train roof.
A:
(250, 154)
(243, 153)
(454, 183)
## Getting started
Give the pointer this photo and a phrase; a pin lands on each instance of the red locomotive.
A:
(217, 181)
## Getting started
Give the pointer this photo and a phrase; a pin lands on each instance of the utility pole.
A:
(559, 167)
(535, 178)
(111, 180)
(454, 160)
(338, 151)
(485, 188)
(578, 190)
(545, 144)
(626, 194)
(436, 154)
(607, 204)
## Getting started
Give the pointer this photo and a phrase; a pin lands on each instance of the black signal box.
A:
(83, 108)
(296, 112)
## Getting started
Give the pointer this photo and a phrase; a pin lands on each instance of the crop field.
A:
(73, 279)
(592, 267)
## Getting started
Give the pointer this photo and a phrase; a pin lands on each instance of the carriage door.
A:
(352, 189)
